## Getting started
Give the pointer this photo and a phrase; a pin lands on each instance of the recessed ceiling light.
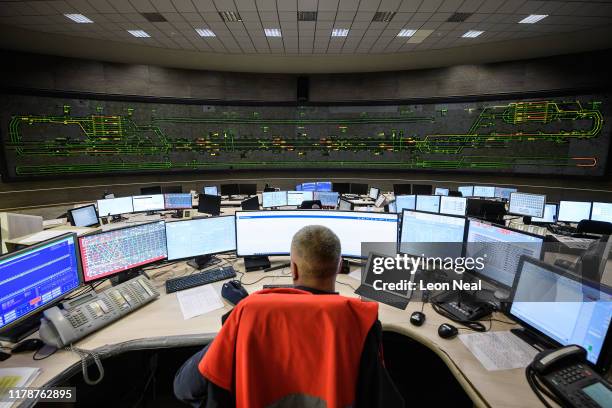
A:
(406, 33)
(383, 16)
(78, 18)
(205, 32)
(272, 32)
(307, 16)
(340, 32)
(139, 33)
(533, 18)
(472, 34)
(231, 16)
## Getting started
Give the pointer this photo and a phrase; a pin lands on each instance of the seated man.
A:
(315, 262)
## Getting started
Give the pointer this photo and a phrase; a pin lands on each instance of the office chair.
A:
(288, 319)
(311, 205)
(594, 227)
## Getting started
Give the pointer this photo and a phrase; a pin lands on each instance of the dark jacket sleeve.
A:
(375, 388)
(194, 389)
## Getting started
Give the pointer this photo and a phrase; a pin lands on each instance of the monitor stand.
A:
(527, 220)
(117, 218)
(201, 262)
(535, 341)
(22, 330)
(125, 276)
(177, 214)
(151, 212)
(255, 263)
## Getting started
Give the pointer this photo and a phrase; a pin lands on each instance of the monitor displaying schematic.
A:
(530, 205)
(200, 236)
(271, 232)
(453, 205)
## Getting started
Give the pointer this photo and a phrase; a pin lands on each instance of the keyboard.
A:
(199, 279)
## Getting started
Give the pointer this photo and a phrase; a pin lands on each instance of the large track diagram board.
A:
(55, 137)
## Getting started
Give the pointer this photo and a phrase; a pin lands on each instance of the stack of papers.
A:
(15, 378)
(499, 350)
(198, 301)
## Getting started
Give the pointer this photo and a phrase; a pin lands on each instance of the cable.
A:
(84, 355)
(34, 356)
(474, 326)
(537, 388)
(262, 278)
(346, 284)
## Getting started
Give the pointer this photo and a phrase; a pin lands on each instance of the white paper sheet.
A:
(197, 301)
(16, 378)
(499, 350)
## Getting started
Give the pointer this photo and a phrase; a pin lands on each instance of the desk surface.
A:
(160, 324)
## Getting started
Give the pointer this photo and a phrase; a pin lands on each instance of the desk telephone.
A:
(569, 378)
(90, 312)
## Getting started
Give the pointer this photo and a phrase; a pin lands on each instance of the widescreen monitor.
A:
(574, 211)
(153, 202)
(200, 236)
(115, 206)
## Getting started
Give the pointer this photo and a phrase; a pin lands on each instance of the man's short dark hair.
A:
(319, 250)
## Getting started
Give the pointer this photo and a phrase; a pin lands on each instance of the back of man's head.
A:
(315, 250)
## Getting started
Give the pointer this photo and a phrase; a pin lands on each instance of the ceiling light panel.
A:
(307, 16)
(533, 18)
(205, 32)
(406, 33)
(272, 32)
(472, 34)
(339, 32)
(139, 33)
(79, 18)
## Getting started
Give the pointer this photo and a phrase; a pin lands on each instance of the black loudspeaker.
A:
(303, 86)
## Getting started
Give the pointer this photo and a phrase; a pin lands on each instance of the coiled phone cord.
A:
(84, 355)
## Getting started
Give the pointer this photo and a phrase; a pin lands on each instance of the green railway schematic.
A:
(49, 136)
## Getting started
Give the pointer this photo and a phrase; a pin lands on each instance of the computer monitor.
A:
(392, 207)
(247, 188)
(36, 277)
(209, 204)
(153, 202)
(200, 236)
(83, 216)
(574, 211)
(172, 189)
(324, 186)
(530, 205)
(107, 253)
(341, 188)
(271, 232)
(150, 190)
(484, 191)
(296, 197)
(503, 246)
(298, 187)
(431, 235)
(441, 191)
(250, 203)
(422, 189)
(504, 192)
(359, 188)
(601, 211)
(274, 199)
(429, 203)
(345, 205)
(229, 189)
(453, 205)
(374, 192)
(557, 305)
(177, 201)
(405, 202)
(550, 215)
(210, 190)
(327, 198)
(115, 206)
(310, 186)
(402, 189)
(466, 191)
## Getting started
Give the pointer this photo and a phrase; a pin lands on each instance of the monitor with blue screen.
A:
(324, 186)
(431, 235)
(504, 192)
(405, 202)
(210, 190)
(466, 191)
(551, 302)
(310, 186)
(200, 236)
(271, 199)
(37, 277)
(327, 198)
(429, 203)
(177, 201)
(271, 232)
(484, 191)
(298, 187)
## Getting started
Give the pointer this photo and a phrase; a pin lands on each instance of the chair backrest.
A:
(310, 345)
(311, 205)
(594, 227)
(14, 225)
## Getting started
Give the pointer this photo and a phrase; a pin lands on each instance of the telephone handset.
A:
(84, 315)
(568, 378)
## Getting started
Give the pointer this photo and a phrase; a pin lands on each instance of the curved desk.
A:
(160, 324)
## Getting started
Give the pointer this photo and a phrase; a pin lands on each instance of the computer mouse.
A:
(417, 318)
(447, 331)
(27, 345)
(233, 292)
